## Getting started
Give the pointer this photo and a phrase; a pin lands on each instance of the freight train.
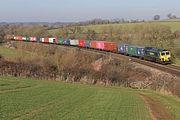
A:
(161, 56)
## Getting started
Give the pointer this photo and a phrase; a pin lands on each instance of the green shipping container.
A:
(135, 50)
(60, 40)
(132, 50)
(27, 38)
(38, 39)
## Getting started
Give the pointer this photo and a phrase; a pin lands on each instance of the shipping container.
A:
(135, 50)
(81, 43)
(18, 38)
(38, 39)
(74, 42)
(27, 38)
(110, 46)
(93, 44)
(87, 43)
(59, 40)
(33, 39)
(41, 39)
(52, 40)
(66, 42)
(24, 38)
(123, 48)
(44, 40)
(100, 45)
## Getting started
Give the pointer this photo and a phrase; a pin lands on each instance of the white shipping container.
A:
(23, 38)
(42, 39)
(73, 42)
(51, 40)
(35, 39)
(76, 42)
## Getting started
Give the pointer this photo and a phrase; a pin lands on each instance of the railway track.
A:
(172, 69)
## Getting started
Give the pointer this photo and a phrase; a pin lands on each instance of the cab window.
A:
(167, 53)
(162, 54)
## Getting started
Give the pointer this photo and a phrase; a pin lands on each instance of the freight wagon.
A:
(81, 43)
(66, 42)
(93, 44)
(74, 42)
(52, 40)
(100, 45)
(123, 48)
(25, 38)
(44, 40)
(32, 39)
(110, 46)
(87, 43)
(19, 38)
(59, 40)
(135, 51)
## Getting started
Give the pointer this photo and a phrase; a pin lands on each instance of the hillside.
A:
(23, 98)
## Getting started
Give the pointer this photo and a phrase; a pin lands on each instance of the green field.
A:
(23, 98)
(12, 52)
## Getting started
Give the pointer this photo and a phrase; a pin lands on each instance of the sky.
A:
(81, 10)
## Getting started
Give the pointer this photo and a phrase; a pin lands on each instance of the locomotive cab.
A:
(165, 56)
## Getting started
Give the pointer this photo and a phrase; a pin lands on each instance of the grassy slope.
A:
(32, 99)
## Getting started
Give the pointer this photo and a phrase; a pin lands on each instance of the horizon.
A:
(76, 11)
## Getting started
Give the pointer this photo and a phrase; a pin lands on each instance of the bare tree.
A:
(157, 17)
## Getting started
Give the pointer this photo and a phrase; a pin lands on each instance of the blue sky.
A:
(80, 10)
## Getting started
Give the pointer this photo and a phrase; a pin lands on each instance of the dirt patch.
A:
(156, 109)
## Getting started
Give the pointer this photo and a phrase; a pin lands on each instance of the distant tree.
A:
(157, 17)
(171, 16)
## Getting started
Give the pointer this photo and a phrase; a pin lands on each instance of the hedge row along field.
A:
(23, 98)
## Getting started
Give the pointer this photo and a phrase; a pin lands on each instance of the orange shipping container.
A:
(18, 38)
(93, 44)
(45, 40)
(110, 46)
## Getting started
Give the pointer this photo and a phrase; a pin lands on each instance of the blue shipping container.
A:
(123, 48)
(87, 43)
(66, 42)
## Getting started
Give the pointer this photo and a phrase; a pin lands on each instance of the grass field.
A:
(32, 99)
(12, 52)
(174, 25)
(23, 98)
